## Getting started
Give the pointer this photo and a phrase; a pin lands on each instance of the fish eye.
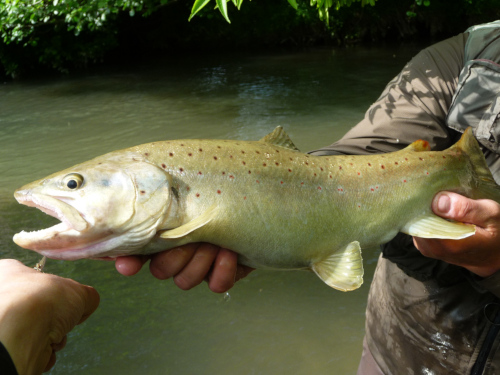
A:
(73, 181)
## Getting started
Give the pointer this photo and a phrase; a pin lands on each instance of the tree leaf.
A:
(293, 3)
(197, 6)
(222, 4)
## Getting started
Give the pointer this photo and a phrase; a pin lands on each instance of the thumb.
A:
(459, 208)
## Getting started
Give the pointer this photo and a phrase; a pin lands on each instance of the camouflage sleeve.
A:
(413, 105)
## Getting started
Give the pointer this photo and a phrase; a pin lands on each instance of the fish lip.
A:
(69, 216)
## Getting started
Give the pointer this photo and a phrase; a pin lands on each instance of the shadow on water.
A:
(273, 322)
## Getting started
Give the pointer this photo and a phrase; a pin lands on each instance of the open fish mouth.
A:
(72, 223)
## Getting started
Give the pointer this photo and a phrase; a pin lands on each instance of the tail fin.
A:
(486, 187)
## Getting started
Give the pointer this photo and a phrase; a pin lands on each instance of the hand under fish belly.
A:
(275, 206)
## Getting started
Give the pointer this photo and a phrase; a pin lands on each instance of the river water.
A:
(271, 322)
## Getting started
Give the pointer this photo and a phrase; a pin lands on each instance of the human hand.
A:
(189, 265)
(479, 253)
(37, 310)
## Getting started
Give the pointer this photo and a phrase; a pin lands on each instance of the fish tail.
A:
(485, 185)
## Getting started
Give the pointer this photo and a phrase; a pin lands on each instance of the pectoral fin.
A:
(191, 226)
(344, 270)
(432, 226)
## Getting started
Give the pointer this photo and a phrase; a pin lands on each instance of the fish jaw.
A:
(57, 236)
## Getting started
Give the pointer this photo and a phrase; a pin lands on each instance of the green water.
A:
(273, 322)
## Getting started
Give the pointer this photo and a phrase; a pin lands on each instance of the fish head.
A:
(108, 206)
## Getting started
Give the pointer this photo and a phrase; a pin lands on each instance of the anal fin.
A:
(342, 270)
(432, 226)
(192, 225)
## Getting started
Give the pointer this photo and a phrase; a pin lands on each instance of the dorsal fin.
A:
(278, 137)
(419, 145)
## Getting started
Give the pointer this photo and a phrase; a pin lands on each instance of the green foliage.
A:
(20, 19)
(323, 6)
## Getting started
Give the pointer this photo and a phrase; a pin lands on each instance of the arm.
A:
(37, 310)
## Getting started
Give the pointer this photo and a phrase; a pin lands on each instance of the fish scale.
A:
(275, 206)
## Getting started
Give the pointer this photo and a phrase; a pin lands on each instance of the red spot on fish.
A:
(406, 159)
(319, 187)
(218, 146)
(376, 187)
(306, 163)
(190, 154)
(197, 195)
(372, 189)
(244, 163)
(321, 168)
(249, 172)
(143, 192)
(289, 170)
(369, 165)
(200, 149)
(199, 172)
(340, 167)
(420, 159)
(218, 191)
(182, 144)
(163, 166)
(223, 173)
(359, 173)
(146, 153)
(331, 176)
(281, 182)
(170, 154)
(231, 176)
(382, 166)
(230, 156)
(215, 157)
(264, 164)
(277, 164)
(315, 175)
(188, 188)
(396, 163)
(181, 170)
(244, 198)
(427, 172)
(302, 183)
(444, 157)
(350, 164)
(242, 151)
(359, 206)
(257, 181)
(404, 180)
(257, 152)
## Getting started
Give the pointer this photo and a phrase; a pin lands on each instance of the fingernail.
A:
(442, 203)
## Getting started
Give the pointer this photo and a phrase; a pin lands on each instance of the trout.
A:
(276, 207)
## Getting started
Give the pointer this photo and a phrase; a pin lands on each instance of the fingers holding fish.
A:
(198, 267)
(226, 271)
(479, 253)
(130, 265)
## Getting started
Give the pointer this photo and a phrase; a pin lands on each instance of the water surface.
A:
(273, 322)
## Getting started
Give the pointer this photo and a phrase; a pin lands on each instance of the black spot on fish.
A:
(175, 192)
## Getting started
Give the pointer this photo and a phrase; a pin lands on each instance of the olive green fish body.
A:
(275, 206)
